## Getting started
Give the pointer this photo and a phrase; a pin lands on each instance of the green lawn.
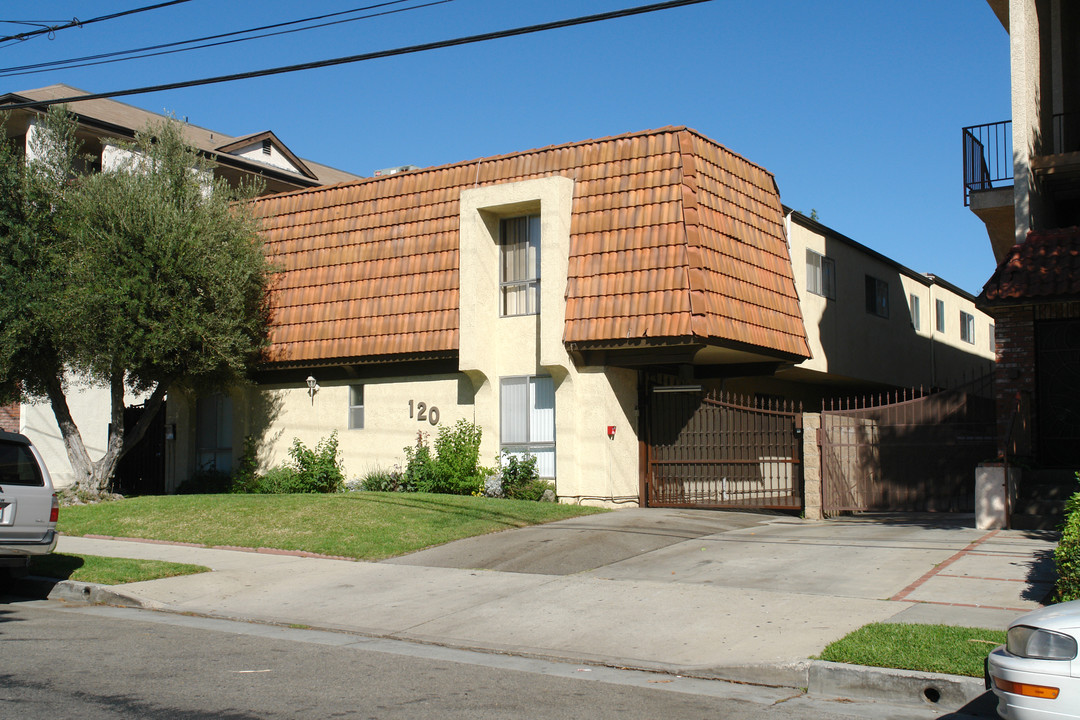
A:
(366, 526)
(930, 648)
(107, 570)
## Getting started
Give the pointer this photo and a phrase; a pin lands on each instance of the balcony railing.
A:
(988, 157)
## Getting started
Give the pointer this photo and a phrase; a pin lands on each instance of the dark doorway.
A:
(142, 469)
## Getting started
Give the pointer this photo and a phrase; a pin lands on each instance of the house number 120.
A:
(423, 412)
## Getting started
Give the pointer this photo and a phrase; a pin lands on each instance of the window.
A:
(877, 297)
(519, 275)
(527, 412)
(967, 327)
(356, 407)
(213, 432)
(916, 316)
(939, 315)
(820, 275)
(993, 338)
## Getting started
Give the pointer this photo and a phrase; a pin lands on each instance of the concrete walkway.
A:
(711, 594)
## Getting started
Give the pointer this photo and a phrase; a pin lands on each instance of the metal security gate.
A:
(908, 451)
(716, 451)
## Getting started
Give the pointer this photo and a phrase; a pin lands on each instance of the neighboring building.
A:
(260, 157)
(538, 294)
(874, 324)
(1023, 178)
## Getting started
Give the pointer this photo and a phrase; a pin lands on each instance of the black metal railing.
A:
(988, 157)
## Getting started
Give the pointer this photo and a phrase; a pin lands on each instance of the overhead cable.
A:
(75, 22)
(84, 61)
(467, 40)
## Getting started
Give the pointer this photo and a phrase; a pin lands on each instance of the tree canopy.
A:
(141, 276)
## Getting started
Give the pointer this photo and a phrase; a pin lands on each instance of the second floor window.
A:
(967, 327)
(939, 315)
(877, 297)
(916, 314)
(820, 275)
(519, 271)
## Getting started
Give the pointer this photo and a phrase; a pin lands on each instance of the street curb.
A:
(73, 591)
(909, 687)
(816, 677)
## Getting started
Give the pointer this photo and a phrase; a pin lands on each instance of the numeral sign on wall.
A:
(423, 412)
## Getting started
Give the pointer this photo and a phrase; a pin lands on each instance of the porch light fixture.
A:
(312, 388)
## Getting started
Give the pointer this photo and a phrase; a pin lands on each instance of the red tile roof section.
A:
(1046, 266)
(672, 236)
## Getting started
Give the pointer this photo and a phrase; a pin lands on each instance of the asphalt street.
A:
(104, 663)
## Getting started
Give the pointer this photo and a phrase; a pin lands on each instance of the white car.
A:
(28, 505)
(1037, 673)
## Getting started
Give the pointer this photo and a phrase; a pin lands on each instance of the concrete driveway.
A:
(972, 576)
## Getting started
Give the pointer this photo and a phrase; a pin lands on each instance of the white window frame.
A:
(939, 315)
(533, 434)
(519, 265)
(820, 274)
(916, 312)
(356, 407)
(967, 327)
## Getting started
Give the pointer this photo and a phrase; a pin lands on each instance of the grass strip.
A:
(929, 648)
(365, 526)
(107, 570)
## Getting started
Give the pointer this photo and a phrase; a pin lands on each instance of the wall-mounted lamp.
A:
(312, 388)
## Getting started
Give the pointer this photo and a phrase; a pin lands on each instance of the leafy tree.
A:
(141, 277)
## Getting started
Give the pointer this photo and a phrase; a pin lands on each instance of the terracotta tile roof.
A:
(1046, 266)
(672, 236)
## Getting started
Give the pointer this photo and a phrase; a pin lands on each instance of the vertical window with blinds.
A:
(356, 407)
(519, 273)
(527, 414)
(213, 432)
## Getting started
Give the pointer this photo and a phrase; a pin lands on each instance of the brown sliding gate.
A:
(715, 451)
(904, 452)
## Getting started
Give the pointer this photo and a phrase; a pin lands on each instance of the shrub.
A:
(379, 480)
(278, 480)
(520, 478)
(205, 481)
(246, 475)
(1067, 553)
(318, 470)
(419, 465)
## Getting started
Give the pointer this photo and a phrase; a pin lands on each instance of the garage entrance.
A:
(712, 450)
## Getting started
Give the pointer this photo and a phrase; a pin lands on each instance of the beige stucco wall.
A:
(847, 341)
(1024, 50)
(590, 466)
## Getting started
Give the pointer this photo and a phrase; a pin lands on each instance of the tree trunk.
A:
(93, 477)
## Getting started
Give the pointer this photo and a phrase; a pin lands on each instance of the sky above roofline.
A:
(855, 107)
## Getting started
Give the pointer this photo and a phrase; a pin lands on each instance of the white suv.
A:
(28, 507)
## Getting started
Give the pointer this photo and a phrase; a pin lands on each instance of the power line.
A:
(72, 63)
(467, 40)
(75, 22)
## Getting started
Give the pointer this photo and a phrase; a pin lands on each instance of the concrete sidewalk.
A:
(711, 594)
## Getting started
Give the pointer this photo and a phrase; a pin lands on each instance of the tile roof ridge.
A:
(726, 149)
(666, 130)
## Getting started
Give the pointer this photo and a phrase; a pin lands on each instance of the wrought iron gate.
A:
(909, 451)
(716, 451)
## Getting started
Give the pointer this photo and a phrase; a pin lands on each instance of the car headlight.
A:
(1029, 642)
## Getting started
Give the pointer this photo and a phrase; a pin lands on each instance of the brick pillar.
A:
(9, 417)
(1014, 376)
(811, 467)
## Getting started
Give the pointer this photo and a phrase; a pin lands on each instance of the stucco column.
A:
(811, 467)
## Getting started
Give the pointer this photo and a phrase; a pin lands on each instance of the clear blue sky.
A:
(855, 105)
